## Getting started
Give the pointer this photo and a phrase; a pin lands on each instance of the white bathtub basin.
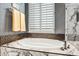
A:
(41, 43)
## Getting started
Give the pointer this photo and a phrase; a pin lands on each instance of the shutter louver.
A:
(41, 18)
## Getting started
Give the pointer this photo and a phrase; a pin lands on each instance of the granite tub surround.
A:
(46, 35)
(10, 38)
(31, 48)
(75, 44)
(72, 23)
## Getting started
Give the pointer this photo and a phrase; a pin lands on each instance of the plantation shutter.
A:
(41, 18)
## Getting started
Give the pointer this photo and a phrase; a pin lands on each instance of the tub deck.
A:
(38, 45)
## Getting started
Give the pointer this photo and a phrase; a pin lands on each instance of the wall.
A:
(72, 26)
(3, 11)
(60, 18)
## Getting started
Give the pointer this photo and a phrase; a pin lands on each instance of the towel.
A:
(18, 21)
(23, 28)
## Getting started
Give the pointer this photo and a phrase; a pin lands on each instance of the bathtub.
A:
(38, 44)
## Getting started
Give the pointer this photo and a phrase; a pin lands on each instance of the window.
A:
(41, 18)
